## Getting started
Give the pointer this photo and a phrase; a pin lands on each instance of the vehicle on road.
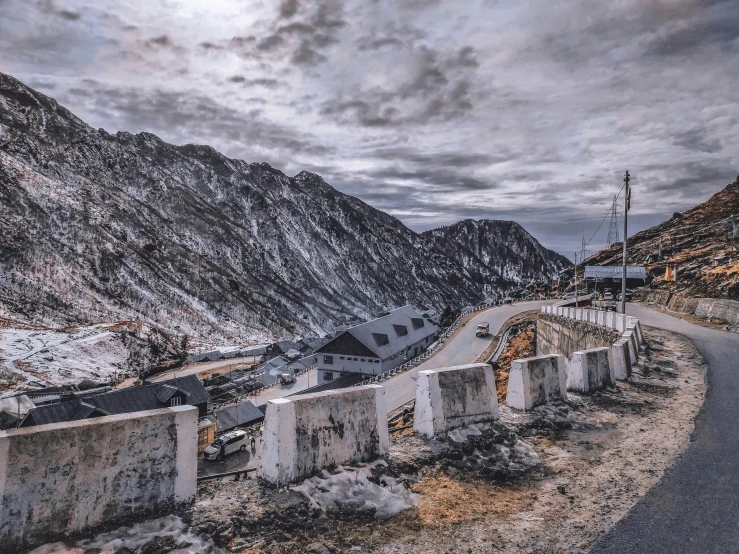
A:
(287, 379)
(483, 329)
(228, 443)
(608, 295)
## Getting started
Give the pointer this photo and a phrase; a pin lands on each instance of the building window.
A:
(328, 375)
(341, 357)
(364, 360)
(175, 401)
(377, 361)
(328, 359)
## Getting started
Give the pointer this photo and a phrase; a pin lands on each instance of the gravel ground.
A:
(552, 480)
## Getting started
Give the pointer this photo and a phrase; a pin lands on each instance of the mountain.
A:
(501, 253)
(701, 243)
(100, 227)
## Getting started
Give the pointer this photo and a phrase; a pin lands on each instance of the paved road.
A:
(200, 367)
(463, 348)
(694, 509)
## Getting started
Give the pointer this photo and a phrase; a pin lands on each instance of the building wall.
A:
(347, 364)
(59, 480)
(407, 354)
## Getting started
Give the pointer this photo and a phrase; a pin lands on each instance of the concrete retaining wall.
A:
(62, 479)
(590, 371)
(455, 396)
(555, 335)
(306, 433)
(728, 310)
(536, 381)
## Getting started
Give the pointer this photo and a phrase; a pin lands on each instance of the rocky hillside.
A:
(101, 227)
(701, 243)
(498, 252)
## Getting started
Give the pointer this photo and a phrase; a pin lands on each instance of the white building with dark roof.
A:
(376, 346)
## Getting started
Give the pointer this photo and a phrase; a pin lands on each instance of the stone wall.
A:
(563, 335)
(62, 479)
(454, 396)
(306, 433)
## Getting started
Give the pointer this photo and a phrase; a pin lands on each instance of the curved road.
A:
(463, 348)
(695, 507)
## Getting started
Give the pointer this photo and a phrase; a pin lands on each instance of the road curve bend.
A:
(694, 509)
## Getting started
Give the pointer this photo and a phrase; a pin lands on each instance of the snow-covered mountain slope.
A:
(499, 252)
(34, 357)
(100, 227)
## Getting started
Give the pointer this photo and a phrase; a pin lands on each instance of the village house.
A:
(376, 346)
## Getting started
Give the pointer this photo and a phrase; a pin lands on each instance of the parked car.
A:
(483, 329)
(228, 443)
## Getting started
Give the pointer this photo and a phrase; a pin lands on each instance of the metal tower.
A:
(613, 229)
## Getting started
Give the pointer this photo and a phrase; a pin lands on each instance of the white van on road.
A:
(233, 441)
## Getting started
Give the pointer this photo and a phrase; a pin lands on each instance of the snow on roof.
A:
(391, 333)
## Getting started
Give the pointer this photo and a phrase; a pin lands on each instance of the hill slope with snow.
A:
(105, 227)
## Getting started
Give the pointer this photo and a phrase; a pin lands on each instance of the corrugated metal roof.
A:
(124, 401)
(615, 272)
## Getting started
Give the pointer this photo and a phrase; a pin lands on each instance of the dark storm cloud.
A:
(177, 117)
(720, 28)
(430, 110)
(288, 8)
(696, 140)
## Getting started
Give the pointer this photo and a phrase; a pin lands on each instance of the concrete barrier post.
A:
(536, 381)
(610, 320)
(633, 347)
(590, 371)
(63, 479)
(452, 397)
(620, 322)
(620, 360)
(306, 433)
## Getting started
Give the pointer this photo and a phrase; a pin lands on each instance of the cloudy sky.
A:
(433, 111)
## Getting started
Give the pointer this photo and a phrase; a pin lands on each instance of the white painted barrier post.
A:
(590, 371)
(306, 433)
(620, 360)
(536, 381)
(452, 397)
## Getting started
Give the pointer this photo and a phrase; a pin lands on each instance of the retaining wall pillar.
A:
(536, 381)
(590, 371)
(452, 397)
(306, 433)
(620, 360)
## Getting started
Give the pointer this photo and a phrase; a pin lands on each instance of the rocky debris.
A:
(104, 227)
(700, 243)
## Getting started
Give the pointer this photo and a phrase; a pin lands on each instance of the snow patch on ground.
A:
(135, 537)
(350, 488)
(463, 433)
(34, 358)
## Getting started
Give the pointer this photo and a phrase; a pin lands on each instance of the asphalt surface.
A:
(462, 348)
(694, 509)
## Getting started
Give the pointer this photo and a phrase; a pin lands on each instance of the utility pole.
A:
(577, 297)
(627, 206)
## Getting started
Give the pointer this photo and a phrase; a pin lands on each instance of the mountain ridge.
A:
(100, 227)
